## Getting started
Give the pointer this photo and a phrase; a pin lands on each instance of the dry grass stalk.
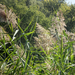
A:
(8, 16)
(46, 38)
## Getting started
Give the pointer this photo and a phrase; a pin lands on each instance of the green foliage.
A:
(44, 22)
(69, 15)
(42, 9)
(62, 59)
(51, 5)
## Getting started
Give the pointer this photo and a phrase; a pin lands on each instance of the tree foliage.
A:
(43, 10)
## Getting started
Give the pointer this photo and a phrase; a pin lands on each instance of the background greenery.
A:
(43, 9)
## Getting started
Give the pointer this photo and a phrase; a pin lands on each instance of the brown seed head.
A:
(2, 16)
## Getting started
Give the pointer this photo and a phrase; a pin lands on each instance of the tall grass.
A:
(34, 61)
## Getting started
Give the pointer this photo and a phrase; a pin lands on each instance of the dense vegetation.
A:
(43, 10)
(59, 60)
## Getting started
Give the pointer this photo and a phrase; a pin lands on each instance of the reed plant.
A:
(34, 61)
